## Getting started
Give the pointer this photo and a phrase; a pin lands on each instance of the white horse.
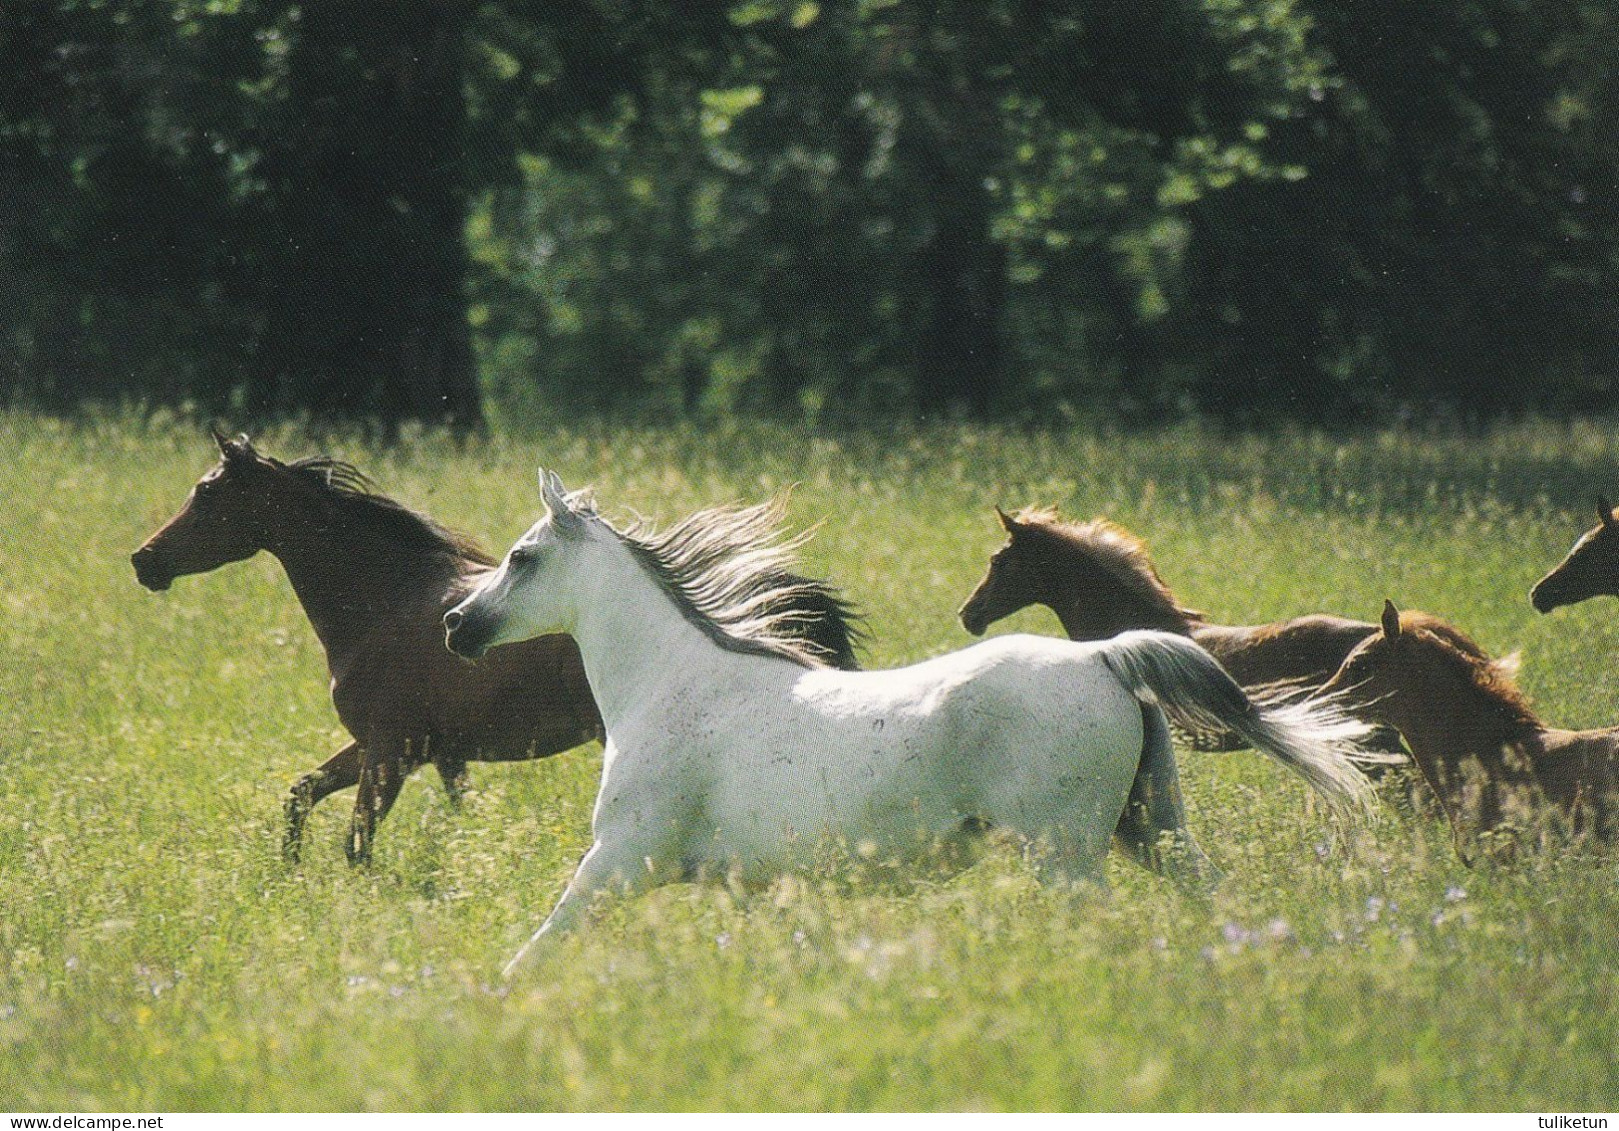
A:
(732, 748)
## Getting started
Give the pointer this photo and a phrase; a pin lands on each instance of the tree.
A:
(1455, 238)
(117, 230)
(869, 192)
(365, 189)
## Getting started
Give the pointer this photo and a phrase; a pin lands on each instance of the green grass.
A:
(156, 954)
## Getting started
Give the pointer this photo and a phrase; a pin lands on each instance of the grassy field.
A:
(156, 954)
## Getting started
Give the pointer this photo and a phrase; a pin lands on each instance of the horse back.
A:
(1306, 649)
(1012, 726)
(1580, 768)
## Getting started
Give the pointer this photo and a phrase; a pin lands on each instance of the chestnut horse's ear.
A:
(1008, 523)
(1605, 511)
(1391, 619)
(220, 439)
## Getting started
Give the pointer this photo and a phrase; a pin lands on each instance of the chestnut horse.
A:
(1096, 576)
(1590, 569)
(1479, 746)
(375, 579)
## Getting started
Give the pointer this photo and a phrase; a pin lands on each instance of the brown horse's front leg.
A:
(381, 775)
(339, 771)
(453, 772)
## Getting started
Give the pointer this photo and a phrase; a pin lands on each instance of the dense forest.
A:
(430, 210)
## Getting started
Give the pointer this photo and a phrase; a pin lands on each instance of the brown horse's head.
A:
(1591, 568)
(220, 522)
(1016, 578)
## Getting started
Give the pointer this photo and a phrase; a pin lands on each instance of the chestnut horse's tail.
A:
(1313, 738)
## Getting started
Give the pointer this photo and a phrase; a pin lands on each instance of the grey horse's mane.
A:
(734, 574)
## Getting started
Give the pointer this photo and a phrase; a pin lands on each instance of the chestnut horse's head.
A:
(1591, 568)
(1376, 669)
(1016, 578)
(221, 521)
(1096, 576)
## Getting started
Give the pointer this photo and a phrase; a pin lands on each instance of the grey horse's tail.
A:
(1312, 737)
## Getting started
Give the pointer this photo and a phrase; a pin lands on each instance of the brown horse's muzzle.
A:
(1542, 600)
(1552, 592)
(973, 619)
(150, 571)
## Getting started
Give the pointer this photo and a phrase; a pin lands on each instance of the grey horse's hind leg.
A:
(1152, 828)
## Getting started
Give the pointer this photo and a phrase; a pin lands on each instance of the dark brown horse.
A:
(1590, 569)
(1099, 580)
(375, 580)
(1473, 735)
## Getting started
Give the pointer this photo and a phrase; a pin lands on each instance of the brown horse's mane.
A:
(355, 493)
(1488, 677)
(1115, 550)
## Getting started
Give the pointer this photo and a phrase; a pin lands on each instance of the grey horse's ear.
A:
(1605, 511)
(555, 497)
(1391, 619)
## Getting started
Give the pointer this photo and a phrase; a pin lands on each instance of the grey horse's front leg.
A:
(618, 865)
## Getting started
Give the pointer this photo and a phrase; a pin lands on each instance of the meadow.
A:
(157, 954)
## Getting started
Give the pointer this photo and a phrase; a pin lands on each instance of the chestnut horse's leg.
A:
(339, 771)
(381, 775)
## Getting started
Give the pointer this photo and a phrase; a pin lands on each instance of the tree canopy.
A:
(1246, 208)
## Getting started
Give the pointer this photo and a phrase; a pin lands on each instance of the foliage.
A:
(156, 954)
(1245, 208)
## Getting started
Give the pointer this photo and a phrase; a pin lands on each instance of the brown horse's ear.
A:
(1391, 619)
(232, 449)
(1605, 511)
(1008, 523)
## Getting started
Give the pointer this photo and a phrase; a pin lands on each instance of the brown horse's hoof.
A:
(298, 806)
(358, 849)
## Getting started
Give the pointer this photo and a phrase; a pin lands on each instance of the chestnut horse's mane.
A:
(1490, 678)
(354, 491)
(1116, 551)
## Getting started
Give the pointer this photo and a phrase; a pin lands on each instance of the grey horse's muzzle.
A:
(467, 634)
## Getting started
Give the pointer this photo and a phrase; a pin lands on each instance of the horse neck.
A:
(1092, 604)
(346, 578)
(1447, 721)
(634, 640)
